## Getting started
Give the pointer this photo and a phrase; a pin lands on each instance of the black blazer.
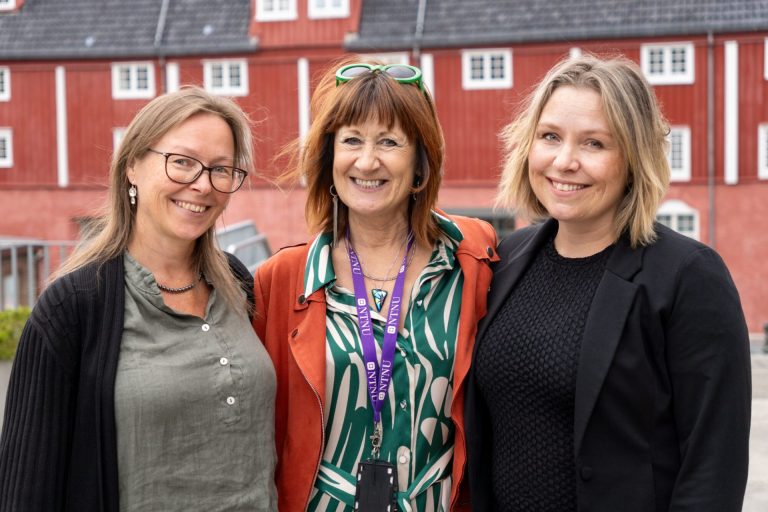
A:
(663, 392)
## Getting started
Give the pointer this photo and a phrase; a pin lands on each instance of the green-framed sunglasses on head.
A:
(402, 73)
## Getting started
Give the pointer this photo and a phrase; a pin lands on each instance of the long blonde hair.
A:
(635, 120)
(111, 231)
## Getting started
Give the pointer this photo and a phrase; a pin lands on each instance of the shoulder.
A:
(239, 270)
(673, 250)
(476, 232)
(82, 285)
(286, 261)
(521, 238)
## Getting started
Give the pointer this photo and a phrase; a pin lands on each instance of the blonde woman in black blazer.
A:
(612, 370)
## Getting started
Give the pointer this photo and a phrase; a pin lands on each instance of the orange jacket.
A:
(292, 328)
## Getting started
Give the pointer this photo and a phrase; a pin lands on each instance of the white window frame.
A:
(6, 161)
(765, 59)
(675, 209)
(5, 91)
(133, 92)
(7, 5)
(667, 76)
(327, 11)
(762, 151)
(263, 14)
(226, 89)
(469, 83)
(683, 171)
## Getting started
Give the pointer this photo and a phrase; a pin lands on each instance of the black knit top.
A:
(526, 370)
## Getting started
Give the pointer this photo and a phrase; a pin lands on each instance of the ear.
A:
(130, 172)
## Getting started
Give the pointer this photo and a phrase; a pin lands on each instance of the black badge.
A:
(376, 487)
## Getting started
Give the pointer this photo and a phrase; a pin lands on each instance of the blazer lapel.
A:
(607, 315)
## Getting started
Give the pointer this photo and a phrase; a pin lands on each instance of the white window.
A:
(762, 152)
(275, 10)
(679, 216)
(117, 138)
(670, 63)
(486, 69)
(6, 147)
(133, 80)
(226, 77)
(328, 8)
(7, 5)
(679, 153)
(5, 84)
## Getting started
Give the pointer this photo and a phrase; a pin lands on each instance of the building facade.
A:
(73, 74)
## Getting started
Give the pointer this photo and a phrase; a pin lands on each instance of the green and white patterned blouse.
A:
(418, 433)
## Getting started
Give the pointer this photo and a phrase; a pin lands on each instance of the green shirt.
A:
(194, 406)
(418, 432)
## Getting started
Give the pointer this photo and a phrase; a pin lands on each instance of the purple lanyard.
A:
(378, 381)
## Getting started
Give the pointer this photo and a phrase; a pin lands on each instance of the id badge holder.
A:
(376, 489)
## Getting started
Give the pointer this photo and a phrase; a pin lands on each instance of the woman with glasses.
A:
(139, 383)
(370, 325)
(612, 371)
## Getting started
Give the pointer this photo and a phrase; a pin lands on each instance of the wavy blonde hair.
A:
(111, 231)
(636, 122)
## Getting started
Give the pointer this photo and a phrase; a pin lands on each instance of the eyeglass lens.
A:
(355, 71)
(401, 71)
(184, 169)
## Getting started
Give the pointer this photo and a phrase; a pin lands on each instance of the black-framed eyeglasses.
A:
(185, 169)
(402, 73)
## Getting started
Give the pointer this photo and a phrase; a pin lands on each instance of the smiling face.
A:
(170, 214)
(575, 166)
(373, 170)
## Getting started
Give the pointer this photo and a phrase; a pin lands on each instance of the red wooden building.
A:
(72, 74)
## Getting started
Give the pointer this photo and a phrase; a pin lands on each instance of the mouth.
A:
(368, 184)
(566, 187)
(196, 208)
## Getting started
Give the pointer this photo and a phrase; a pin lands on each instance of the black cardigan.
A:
(663, 392)
(58, 448)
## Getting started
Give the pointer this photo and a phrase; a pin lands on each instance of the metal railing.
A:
(25, 266)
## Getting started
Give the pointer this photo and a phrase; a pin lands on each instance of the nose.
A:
(566, 158)
(203, 182)
(368, 159)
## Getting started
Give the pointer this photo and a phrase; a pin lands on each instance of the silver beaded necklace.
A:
(181, 289)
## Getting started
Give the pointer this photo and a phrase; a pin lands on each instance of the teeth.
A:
(368, 183)
(567, 187)
(192, 207)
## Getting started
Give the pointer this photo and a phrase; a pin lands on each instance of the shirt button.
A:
(419, 302)
(403, 459)
(223, 361)
(231, 400)
(403, 353)
(206, 327)
(403, 404)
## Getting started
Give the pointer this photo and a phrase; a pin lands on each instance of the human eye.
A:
(389, 142)
(351, 140)
(223, 171)
(182, 162)
(595, 144)
(549, 136)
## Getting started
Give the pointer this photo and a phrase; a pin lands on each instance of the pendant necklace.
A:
(379, 294)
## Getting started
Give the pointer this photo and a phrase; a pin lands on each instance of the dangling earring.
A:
(132, 193)
(335, 198)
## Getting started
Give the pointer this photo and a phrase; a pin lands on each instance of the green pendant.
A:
(379, 296)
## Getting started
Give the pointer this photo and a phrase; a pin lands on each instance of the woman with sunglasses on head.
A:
(371, 324)
(612, 371)
(139, 383)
